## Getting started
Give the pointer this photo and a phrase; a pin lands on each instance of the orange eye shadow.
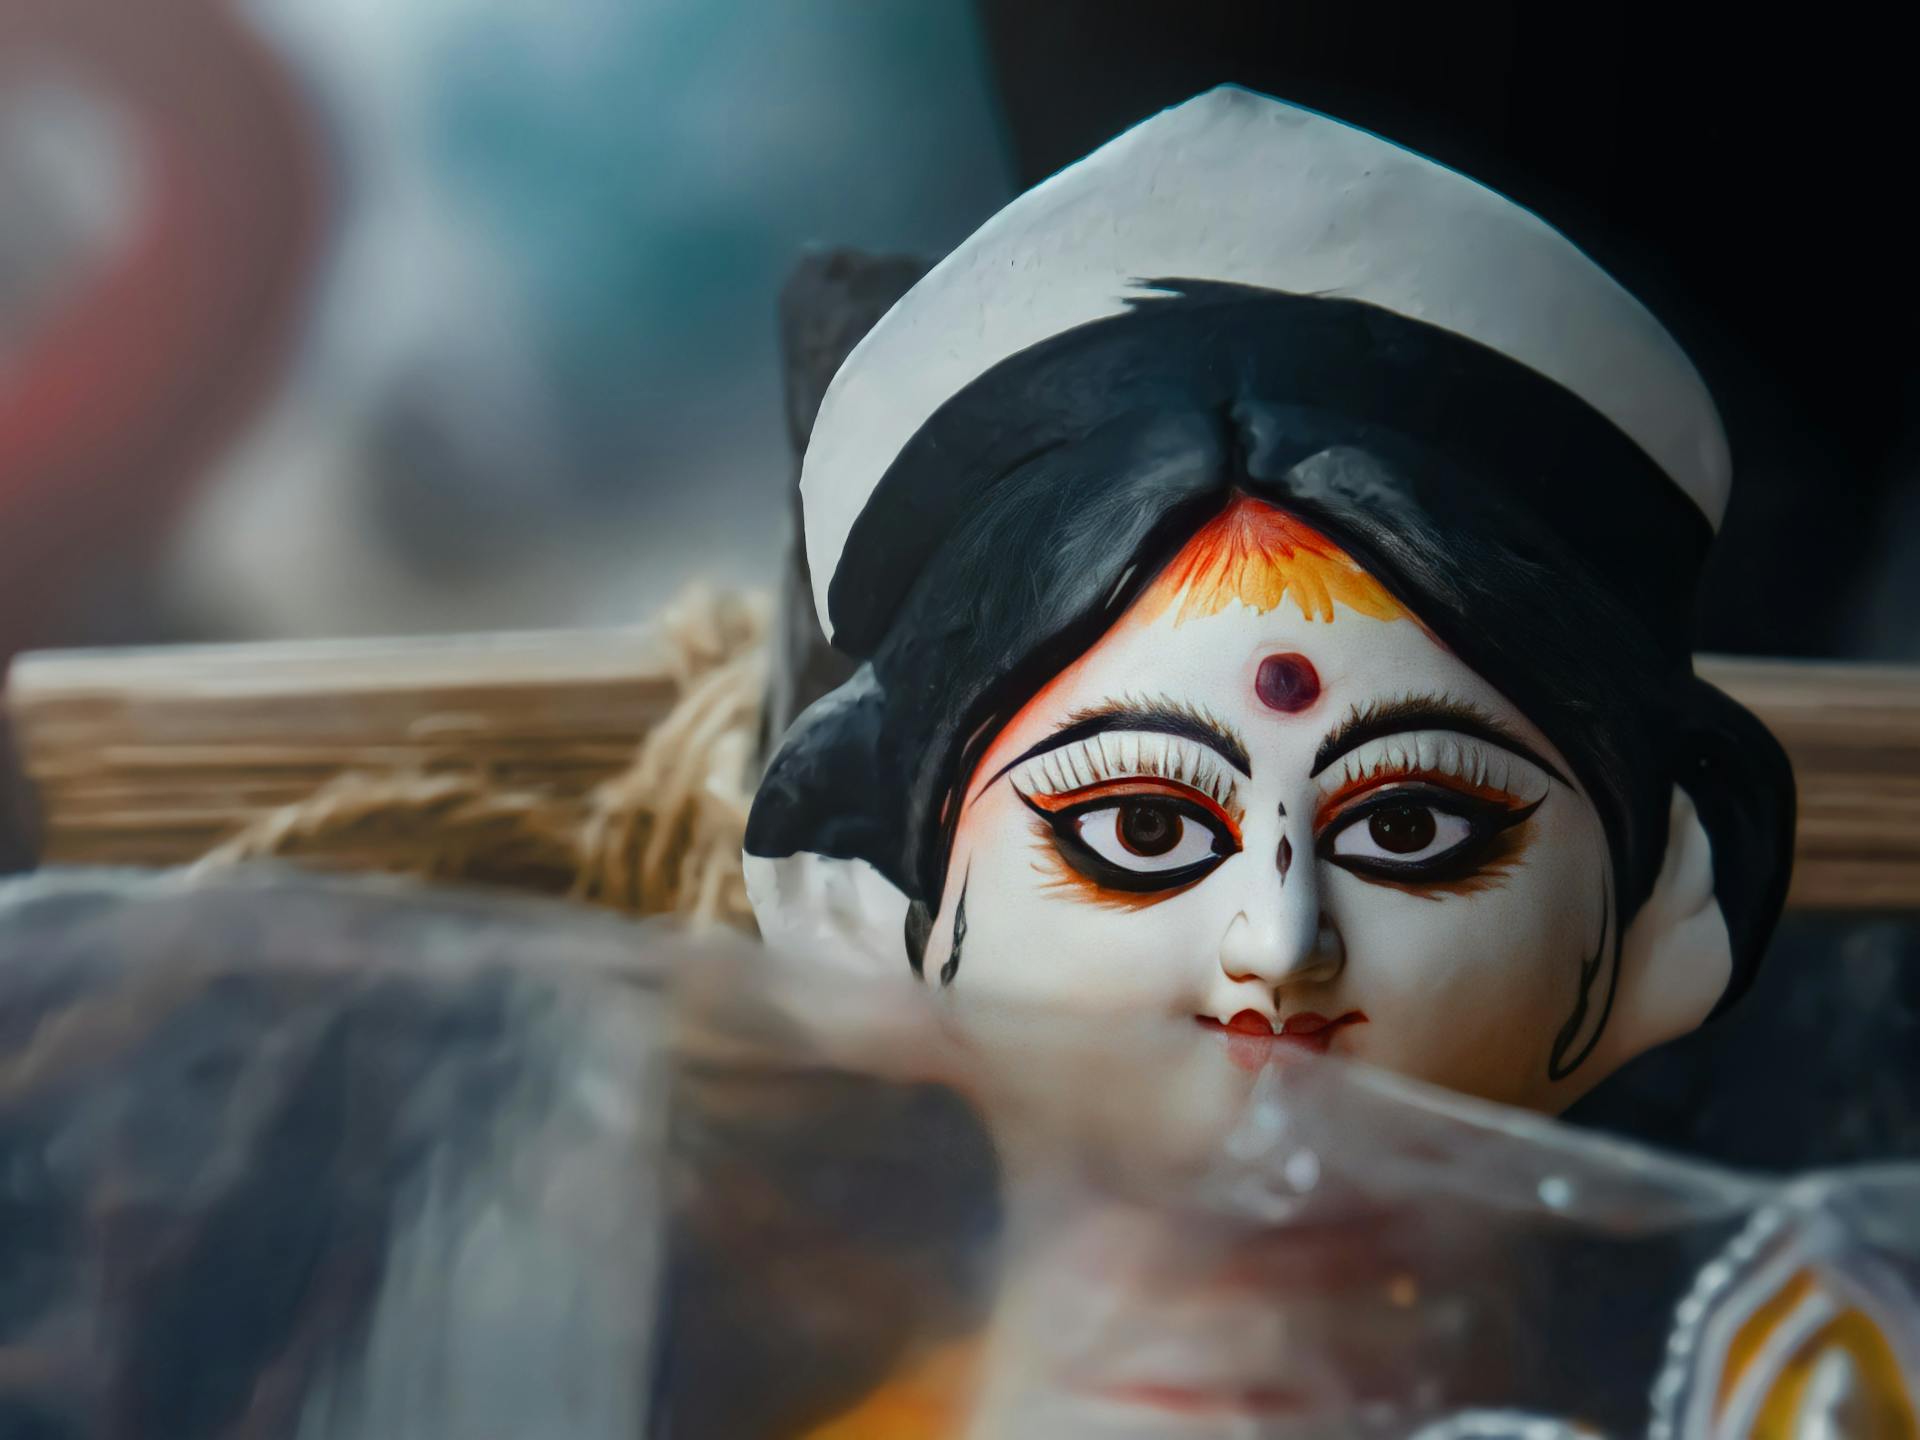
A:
(1331, 806)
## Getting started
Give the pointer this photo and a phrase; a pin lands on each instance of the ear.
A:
(840, 914)
(1677, 959)
(1741, 782)
(1694, 946)
(836, 950)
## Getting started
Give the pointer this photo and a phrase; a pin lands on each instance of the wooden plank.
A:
(1853, 732)
(157, 756)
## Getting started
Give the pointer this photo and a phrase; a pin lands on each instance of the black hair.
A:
(1522, 526)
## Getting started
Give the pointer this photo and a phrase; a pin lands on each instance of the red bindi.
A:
(1287, 683)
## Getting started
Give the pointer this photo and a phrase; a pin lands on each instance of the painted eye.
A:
(1145, 835)
(1406, 833)
(1140, 844)
(1418, 834)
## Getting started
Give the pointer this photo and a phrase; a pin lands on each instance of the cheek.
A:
(1468, 991)
(1081, 1017)
(1035, 938)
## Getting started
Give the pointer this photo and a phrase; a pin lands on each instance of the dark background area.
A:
(1748, 179)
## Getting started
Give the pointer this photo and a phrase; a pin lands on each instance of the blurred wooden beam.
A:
(1853, 732)
(153, 757)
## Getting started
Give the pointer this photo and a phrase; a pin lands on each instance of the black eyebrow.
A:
(1423, 712)
(1158, 717)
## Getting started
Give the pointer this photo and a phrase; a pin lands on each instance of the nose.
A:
(1281, 936)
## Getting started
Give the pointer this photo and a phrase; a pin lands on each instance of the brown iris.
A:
(1147, 829)
(1402, 829)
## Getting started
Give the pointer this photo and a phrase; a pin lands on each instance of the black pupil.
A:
(1148, 829)
(1401, 829)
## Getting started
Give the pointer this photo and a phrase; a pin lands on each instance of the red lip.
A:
(1252, 1041)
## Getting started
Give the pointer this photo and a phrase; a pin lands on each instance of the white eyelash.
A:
(1440, 752)
(1130, 755)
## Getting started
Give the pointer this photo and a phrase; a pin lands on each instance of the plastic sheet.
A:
(344, 1160)
(286, 1158)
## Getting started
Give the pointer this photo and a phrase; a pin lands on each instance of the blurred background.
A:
(353, 317)
(329, 317)
(345, 317)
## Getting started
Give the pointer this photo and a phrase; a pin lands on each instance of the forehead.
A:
(1213, 660)
(1199, 634)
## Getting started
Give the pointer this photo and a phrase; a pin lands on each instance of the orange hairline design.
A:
(1257, 554)
(1252, 552)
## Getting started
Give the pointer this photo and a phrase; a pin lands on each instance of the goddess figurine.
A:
(1270, 555)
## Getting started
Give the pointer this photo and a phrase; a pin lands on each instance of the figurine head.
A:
(1246, 661)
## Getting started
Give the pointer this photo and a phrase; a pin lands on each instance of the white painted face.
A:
(1267, 814)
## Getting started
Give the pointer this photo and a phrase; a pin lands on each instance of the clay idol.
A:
(1270, 555)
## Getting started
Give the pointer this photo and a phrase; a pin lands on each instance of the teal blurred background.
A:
(523, 369)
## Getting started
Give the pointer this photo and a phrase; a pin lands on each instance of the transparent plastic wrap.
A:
(288, 1157)
(344, 1160)
(1316, 1250)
